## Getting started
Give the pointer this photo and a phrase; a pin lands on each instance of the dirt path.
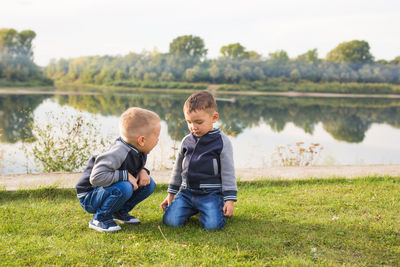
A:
(68, 180)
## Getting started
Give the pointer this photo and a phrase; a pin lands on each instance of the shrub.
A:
(298, 154)
(59, 145)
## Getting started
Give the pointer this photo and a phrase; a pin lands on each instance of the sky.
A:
(75, 28)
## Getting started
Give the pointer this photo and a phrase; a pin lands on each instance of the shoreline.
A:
(250, 93)
(37, 91)
(68, 180)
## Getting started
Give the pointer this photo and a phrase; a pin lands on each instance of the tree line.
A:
(186, 61)
(16, 58)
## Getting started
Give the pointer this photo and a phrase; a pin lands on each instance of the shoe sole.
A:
(110, 230)
(126, 222)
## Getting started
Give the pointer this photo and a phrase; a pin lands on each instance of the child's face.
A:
(151, 140)
(200, 122)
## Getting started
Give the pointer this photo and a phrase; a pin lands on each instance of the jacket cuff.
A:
(230, 195)
(173, 189)
(123, 175)
(148, 172)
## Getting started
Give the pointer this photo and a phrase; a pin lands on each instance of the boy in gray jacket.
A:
(115, 181)
(203, 178)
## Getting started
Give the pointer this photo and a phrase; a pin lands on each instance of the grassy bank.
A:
(279, 85)
(25, 84)
(271, 85)
(160, 85)
(312, 222)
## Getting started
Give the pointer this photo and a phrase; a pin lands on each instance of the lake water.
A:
(350, 130)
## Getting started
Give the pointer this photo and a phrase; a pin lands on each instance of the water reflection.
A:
(353, 131)
(16, 114)
(344, 119)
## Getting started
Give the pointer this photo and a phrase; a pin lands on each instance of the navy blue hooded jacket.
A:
(205, 162)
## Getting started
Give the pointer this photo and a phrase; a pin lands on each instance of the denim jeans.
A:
(105, 201)
(189, 202)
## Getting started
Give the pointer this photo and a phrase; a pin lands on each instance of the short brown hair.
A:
(202, 100)
(137, 121)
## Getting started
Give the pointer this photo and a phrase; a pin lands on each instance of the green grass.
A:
(23, 84)
(299, 223)
(280, 85)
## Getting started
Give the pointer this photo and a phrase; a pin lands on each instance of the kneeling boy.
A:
(203, 177)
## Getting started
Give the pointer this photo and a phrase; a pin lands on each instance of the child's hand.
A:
(167, 201)
(133, 181)
(143, 177)
(228, 208)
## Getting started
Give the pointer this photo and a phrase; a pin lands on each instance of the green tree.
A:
(234, 51)
(16, 44)
(258, 74)
(184, 53)
(382, 61)
(311, 56)
(193, 74)
(253, 55)
(279, 56)
(16, 57)
(295, 75)
(214, 72)
(351, 52)
(8, 39)
(396, 61)
(231, 74)
(188, 46)
(24, 41)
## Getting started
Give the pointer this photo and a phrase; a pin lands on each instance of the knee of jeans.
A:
(151, 186)
(125, 188)
(213, 224)
(88, 208)
(172, 220)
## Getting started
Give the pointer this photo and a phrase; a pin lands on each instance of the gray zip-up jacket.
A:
(111, 166)
(205, 162)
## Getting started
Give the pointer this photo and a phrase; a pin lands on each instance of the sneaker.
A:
(107, 225)
(125, 218)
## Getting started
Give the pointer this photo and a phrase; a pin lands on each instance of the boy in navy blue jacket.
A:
(203, 178)
(115, 181)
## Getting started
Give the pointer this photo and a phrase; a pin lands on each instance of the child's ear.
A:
(140, 140)
(215, 117)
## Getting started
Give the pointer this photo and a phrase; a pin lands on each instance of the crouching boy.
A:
(115, 181)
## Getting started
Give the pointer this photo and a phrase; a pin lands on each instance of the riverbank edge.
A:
(68, 180)
(100, 89)
(253, 93)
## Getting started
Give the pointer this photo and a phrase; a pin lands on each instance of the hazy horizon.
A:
(69, 29)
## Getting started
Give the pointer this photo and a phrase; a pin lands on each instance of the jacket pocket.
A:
(215, 164)
(183, 163)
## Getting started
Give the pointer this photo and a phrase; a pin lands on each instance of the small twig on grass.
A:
(159, 228)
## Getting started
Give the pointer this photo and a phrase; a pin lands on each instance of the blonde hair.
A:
(135, 122)
(202, 100)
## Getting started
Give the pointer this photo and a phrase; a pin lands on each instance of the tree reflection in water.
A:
(345, 119)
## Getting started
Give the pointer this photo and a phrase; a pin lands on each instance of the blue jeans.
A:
(189, 202)
(105, 201)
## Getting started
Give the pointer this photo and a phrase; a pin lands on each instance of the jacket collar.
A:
(129, 145)
(213, 131)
